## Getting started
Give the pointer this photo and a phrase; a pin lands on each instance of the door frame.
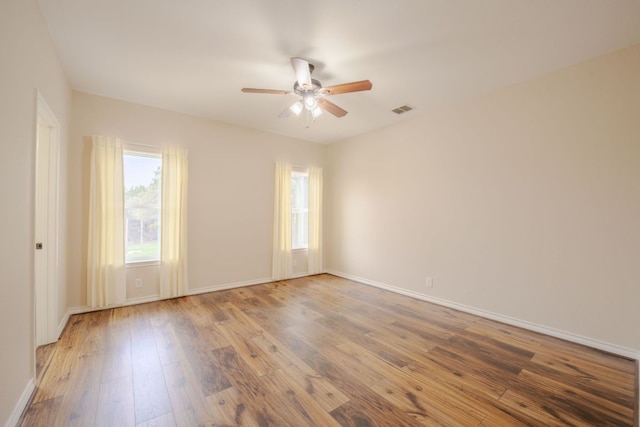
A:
(46, 289)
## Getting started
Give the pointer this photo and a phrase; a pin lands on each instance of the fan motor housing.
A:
(316, 86)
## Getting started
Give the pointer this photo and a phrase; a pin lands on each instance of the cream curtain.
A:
(315, 220)
(282, 261)
(173, 258)
(106, 281)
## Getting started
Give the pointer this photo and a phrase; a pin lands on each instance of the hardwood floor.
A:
(321, 351)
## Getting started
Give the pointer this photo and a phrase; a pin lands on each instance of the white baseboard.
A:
(568, 336)
(141, 300)
(152, 298)
(63, 323)
(86, 309)
(226, 286)
(21, 405)
(70, 312)
(253, 282)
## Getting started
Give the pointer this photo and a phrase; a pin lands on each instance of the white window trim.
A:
(142, 151)
(304, 172)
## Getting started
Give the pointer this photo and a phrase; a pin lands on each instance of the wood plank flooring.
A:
(320, 351)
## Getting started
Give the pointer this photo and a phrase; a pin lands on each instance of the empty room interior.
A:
(270, 213)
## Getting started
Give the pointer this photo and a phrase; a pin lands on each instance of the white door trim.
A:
(46, 224)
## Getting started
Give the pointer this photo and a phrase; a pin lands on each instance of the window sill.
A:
(300, 250)
(137, 264)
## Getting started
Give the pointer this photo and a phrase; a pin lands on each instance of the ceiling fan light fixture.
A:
(312, 94)
(310, 102)
(297, 108)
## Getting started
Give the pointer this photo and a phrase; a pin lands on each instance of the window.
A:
(299, 210)
(142, 182)
(137, 212)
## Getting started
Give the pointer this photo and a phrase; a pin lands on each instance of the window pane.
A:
(142, 180)
(299, 210)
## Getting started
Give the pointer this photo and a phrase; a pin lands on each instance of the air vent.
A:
(403, 109)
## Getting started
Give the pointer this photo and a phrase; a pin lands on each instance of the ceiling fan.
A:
(312, 94)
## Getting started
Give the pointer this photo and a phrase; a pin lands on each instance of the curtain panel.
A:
(282, 260)
(106, 281)
(315, 221)
(173, 258)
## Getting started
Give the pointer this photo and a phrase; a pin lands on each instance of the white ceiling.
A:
(193, 56)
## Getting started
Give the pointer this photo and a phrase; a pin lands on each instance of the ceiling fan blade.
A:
(294, 108)
(269, 91)
(303, 74)
(285, 113)
(347, 87)
(332, 108)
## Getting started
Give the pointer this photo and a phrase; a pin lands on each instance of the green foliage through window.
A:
(142, 181)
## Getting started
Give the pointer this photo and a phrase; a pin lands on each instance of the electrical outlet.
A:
(138, 283)
(429, 282)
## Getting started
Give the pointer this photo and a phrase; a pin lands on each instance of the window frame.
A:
(304, 210)
(151, 152)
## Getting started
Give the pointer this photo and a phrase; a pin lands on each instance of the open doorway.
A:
(46, 225)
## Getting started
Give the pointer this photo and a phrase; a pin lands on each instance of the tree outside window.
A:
(142, 181)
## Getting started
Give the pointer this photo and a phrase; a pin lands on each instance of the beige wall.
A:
(231, 175)
(29, 63)
(524, 203)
